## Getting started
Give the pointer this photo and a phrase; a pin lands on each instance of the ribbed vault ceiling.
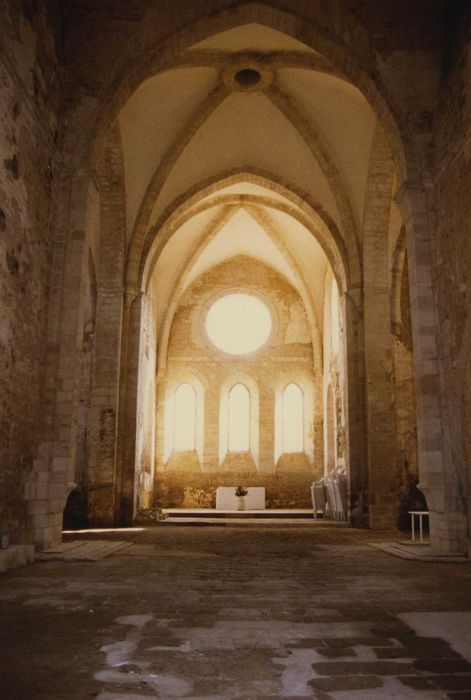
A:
(306, 127)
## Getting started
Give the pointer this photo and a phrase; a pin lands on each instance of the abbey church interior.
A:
(235, 255)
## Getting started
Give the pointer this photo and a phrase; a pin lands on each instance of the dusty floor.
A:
(237, 612)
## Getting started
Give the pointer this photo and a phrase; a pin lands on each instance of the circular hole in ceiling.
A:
(238, 323)
(247, 77)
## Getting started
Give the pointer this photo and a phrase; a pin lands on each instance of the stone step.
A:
(84, 550)
(262, 514)
(419, 552)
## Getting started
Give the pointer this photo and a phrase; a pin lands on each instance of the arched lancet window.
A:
(185, 418)
(239, 419)
(293, 419)
(335, 318)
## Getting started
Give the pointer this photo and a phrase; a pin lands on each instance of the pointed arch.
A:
(184, 437)
(252, 389)
(230, 203)
(292, 419)
(354, 60)
(298, 204)
(89, 121)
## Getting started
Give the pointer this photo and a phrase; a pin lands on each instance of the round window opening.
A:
(248, 77)
(238, 323)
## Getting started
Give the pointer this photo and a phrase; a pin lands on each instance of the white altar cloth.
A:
(227, 500)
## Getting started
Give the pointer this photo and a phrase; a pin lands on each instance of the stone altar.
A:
(227, 500)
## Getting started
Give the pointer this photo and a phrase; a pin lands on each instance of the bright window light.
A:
(239, 419)
(185, 418)
(293, 419)
(238, 323)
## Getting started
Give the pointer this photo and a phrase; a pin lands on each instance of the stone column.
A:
(266, 463)
(127, 431)
(211, 427)
(318, 428)
(438, 479)
(107, 358)
(54, 472)
(355, 410)
(381, 429)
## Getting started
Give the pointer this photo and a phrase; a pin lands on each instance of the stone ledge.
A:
(16, 555)
(423, 552)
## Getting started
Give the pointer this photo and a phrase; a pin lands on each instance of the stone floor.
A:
(219, 612)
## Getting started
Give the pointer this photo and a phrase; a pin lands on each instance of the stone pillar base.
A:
(46, 501)
(48, 532)
(448, 532)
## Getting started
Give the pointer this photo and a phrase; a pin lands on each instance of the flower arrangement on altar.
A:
(240, 491)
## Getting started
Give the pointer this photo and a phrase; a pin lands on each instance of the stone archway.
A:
(179, 216)
(344, 60)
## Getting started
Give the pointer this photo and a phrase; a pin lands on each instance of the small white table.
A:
(420, 514)
(227, 500)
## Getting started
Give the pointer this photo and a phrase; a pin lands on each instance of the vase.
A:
(240, 502)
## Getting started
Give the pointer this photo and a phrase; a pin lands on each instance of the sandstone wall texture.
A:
(72, 335)
(30, 115)
(189, 480)
(452, 274)
(406, 466)
(97, 488)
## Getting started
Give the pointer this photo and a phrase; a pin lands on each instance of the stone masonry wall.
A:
(30, 110)
(287, 358)
(453, 249)
(407, 37)
(407, 474)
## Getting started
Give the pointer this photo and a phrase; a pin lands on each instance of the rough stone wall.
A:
(406, 34)
(397, 44)
(453, 250)
(99, 486)
(30, 112)
(377, 330)
(405, 409)
(285, 359)
(75, 511)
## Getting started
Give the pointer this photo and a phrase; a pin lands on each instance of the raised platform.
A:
(251, 518)
(240, 514)
(227, 500)
(419, 552)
